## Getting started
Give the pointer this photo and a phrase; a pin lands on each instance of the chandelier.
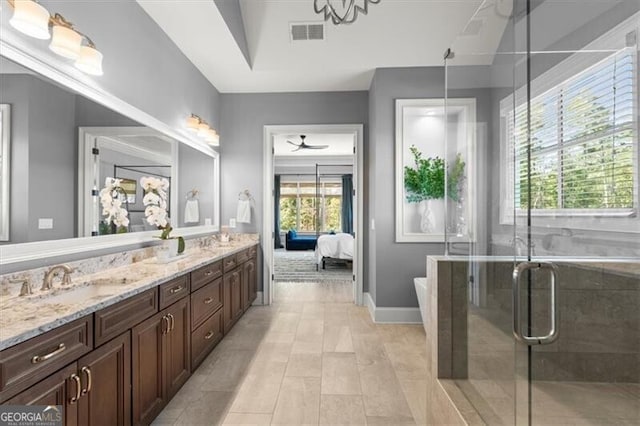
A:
(342, 11)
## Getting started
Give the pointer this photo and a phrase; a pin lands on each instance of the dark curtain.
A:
(347, 204)
(276, 212)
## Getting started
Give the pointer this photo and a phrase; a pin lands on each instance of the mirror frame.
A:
(77, 82)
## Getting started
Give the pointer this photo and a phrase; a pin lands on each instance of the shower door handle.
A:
(519, 334)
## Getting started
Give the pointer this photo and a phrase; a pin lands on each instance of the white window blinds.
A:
(583, 142)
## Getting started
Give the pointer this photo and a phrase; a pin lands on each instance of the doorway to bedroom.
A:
(315, 207)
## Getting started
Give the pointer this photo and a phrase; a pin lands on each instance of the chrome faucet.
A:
(53, 272)
(25, 289)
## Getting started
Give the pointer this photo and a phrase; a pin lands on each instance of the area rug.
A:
(300, 266)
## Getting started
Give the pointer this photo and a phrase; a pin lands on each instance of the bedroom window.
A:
(584, 144)
(298, 206)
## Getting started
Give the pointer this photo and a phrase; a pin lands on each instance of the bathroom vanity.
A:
(115, 346)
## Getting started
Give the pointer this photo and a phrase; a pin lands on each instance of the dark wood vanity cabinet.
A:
(122, 364)
(95, 390)
(57, 389)
(249, 283)
(105, 374)
(161, 360)
(233, 305)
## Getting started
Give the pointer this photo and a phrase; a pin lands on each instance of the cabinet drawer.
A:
(27, 363)
(173, 291)
(205, 338)
(253, 251)
(114, 320)
(205, 301)
(243, 256)
(229, 263)
(201, 277)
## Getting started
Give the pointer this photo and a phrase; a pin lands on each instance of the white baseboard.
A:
(392, 315)
(259, 300)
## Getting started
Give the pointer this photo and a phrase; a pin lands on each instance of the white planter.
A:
(168, 249)
(432, 216)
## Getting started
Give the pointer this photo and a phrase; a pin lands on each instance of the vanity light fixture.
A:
(32, 19)
(208, 133)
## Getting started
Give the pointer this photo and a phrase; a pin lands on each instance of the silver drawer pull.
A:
(41, 358)
(172, 322)
(208, 273)
(76, 379)
(176, 289)
(208, 300)
(87, 371)
(209, 335)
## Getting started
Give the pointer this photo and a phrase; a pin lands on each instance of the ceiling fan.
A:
(303, 145)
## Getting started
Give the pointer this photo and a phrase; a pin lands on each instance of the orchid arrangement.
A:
(155, 202)
(111, 197)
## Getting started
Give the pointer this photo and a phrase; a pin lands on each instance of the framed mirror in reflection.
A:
(126, 154)
(64, 146)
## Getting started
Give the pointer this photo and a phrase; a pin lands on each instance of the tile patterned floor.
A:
(312, 358)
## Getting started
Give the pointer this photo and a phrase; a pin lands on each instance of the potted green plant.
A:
(425, 184)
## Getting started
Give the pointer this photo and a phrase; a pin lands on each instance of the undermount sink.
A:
(73, 296)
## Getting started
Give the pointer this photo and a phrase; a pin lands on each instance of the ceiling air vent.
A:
(306, 31)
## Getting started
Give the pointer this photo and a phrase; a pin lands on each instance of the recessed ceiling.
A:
(395, 33)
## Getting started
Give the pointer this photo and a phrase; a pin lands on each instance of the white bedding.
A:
(338, 246)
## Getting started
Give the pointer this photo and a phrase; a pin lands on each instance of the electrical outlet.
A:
(232, 223)
(45, 223)
(207, 221)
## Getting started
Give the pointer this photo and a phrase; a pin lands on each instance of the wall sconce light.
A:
(208, 133)
(34, 20)
(30, 18)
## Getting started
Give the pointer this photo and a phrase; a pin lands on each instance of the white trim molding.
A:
(267, 239)
(392, 315)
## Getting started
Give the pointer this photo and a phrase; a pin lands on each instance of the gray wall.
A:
(195, 171)
(15, 91)
(43, 159)
(392, 266)
(244, 117)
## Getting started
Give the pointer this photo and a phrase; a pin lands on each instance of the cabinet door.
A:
(106, 384)
(249, 283)
(178, 347)
(57, 389)
(237, 304)
(148, 368)
(232, 298)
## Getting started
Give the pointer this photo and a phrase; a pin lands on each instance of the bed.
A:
(334, 248)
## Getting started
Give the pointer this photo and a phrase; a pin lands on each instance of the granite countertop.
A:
(22, 318)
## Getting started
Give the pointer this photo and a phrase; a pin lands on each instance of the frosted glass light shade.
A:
(89, 61)
(193, 123)
(31, 19)
(213, 138)
(66, 42)
(203, 130)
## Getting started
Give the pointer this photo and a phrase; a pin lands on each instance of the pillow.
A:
(292, 233)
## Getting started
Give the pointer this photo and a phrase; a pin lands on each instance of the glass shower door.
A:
(551, 223)
(575, 160)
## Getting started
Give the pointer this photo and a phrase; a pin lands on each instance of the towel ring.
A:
(192, 195)
(245, 195)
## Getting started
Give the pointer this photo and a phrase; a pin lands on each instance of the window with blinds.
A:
(583, 148)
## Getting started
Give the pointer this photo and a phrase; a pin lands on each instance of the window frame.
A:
(558, 78)
(323, 197)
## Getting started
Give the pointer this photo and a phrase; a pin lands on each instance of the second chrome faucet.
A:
(47, 282)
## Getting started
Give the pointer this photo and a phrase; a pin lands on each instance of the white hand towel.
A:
(191, 212)
(244, 211)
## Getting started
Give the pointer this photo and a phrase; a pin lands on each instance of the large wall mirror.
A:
(63, 146)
